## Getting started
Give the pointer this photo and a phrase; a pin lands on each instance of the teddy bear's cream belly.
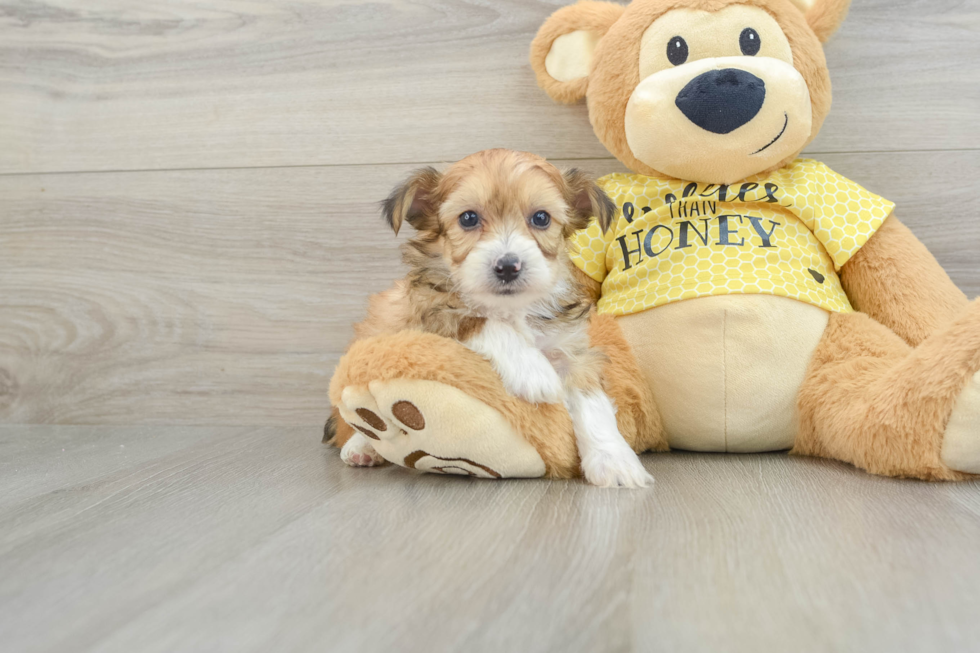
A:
(726, 370)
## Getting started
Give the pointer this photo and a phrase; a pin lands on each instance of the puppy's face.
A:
(501, 220)
(504, 225)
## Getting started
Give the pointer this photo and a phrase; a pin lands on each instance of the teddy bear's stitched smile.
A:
(780, 135)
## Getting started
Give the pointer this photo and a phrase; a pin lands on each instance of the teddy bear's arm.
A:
(898, 282)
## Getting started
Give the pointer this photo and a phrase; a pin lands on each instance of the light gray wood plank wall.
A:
(226, 296)
(188, 192)
(108, 86)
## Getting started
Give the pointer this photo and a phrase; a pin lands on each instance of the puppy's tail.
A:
(330, 428)
(336, 431)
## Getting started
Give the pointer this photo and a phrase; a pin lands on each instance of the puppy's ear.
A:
(562, 52)
(823, 16)
(414, 201)
(587, 201)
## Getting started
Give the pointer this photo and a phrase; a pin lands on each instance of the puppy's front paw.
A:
(358, 452)
(618, 467)
(524, 370)
(536, 382)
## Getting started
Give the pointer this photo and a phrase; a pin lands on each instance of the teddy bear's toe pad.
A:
(433, 427)
(961, 442)
(406, 413)
(359, 409)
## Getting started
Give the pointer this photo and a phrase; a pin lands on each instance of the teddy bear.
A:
(748, 300)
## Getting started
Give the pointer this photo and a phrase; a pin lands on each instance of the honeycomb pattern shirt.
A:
(786, 233)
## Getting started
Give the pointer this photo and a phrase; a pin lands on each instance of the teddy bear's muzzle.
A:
(721, 101)
(719, 120)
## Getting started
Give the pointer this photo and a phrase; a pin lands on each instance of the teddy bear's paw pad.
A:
(358, 452)
(406, 413)
(961, 442)
(619, 468)
(360, 410)
(441, 429)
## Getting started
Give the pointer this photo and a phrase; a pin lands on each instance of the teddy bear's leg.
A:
(434, 427)
(637, 414)
(871, 400)
(961, 441)
(411, 392)
(429, 403)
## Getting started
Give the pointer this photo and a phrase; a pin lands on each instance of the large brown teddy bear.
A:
(748, 300)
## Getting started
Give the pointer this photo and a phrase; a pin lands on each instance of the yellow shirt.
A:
(786, 233)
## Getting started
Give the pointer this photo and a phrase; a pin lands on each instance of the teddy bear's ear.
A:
(823, 16)
(561, 53)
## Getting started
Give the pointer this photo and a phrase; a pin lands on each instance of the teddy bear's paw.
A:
(359, 409)
(434, 427)
(358, 452)
(961, 442)
(617, 467)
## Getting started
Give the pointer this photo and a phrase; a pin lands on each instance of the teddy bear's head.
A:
(712, 91)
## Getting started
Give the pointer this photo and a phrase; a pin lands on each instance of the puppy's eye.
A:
(541, 220)
(750, 42)
(677, 51)
(469, 220)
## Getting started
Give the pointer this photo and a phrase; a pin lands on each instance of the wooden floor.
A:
(257, 539)
(188, 227)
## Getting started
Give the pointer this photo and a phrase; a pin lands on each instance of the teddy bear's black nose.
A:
(721, 101)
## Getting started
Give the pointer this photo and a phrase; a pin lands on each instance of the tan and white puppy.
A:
(489, 267)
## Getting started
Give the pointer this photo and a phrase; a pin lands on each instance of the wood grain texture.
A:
(226, 296)
(259, 539)
(218, 288)
(133, 86)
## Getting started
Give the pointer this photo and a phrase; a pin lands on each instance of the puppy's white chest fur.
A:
(557, 347)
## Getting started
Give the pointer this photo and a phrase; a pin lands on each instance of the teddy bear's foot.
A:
(871, 400)
(434, 427)
(961, 442)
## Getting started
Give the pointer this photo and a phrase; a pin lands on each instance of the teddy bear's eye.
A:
(677, 51)
(750, 42)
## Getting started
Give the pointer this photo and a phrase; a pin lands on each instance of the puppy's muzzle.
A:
(507, 268)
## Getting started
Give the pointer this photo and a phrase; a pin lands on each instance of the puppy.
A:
(489, 267)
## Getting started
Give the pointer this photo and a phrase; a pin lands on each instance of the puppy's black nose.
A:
(507, 268)
(721, 101)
